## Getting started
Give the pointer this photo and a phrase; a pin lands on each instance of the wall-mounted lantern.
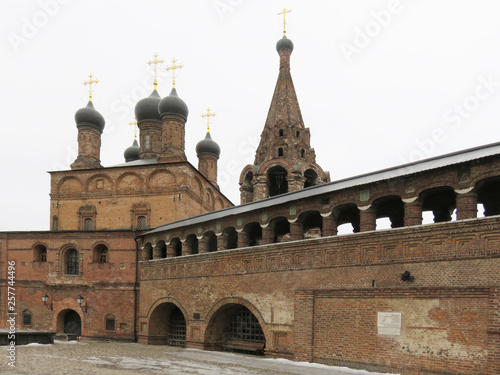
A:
(80, 300)
(45, 298)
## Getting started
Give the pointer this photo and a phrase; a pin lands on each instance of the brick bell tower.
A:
(284, 160)
(90, 124)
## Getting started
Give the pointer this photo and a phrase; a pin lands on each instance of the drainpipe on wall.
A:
(135, 285)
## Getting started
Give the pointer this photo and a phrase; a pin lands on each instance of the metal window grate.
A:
(87, 224)
(141, 222)
(244, 326)
(72, 262)
(43, 255)
(177, 328)
(103, 255)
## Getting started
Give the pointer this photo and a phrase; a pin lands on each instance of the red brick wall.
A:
(114, 192)
(444, 330)
(460, 254)
(108, 288)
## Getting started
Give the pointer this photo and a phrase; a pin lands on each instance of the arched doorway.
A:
(167, 326)
(235, 328)
(69, 322)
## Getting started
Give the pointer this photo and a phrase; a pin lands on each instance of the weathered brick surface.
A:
(446, 308)
(108, 288)
(444, 330)
(171, 192)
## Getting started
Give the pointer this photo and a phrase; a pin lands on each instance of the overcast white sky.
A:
(379, 82)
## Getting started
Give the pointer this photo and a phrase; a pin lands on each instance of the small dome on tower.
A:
(172, 104)
(147, 108)
(88, 116)
(207, 145)
(284, 43)
(132, 152)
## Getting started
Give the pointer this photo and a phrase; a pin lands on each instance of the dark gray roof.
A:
(381, 175)
(208, 146)
(284, 43)
(172, 104)
(88, 116)
(147, 109)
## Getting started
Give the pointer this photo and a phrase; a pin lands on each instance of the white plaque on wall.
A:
(389, 323)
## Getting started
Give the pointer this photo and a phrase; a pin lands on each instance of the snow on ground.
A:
(111, 358)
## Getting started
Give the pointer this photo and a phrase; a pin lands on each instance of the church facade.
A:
(96, 212)
(159, 255)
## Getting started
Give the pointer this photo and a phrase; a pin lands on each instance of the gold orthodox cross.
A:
(284, 19)
(134, 124)
(155, 62)
(173, 67)
(208, 115)
(90, 82)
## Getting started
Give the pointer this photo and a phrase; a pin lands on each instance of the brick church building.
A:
(150, 250)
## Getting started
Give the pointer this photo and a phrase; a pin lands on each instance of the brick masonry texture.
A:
(277, 260)
(446, 309)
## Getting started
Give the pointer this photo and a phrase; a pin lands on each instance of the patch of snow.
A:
(346, 370)
(97, 361)
(68, 342)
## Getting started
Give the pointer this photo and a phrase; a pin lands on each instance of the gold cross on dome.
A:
(155, 62)
(173, 67)
(284, 19)
(208, 115)
(134, 124)
(90, 82)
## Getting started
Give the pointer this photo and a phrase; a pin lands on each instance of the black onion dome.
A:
(147, 108)
(88, 116)
(207, 145)
(284, 43)
(173, 105)
(132, 152)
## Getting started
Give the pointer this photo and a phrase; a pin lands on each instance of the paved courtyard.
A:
(109, 358)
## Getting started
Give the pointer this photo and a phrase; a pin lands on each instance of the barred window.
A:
(72, 264)
(141, 222)
(103, 255)
(87, 224)
(43, 254)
